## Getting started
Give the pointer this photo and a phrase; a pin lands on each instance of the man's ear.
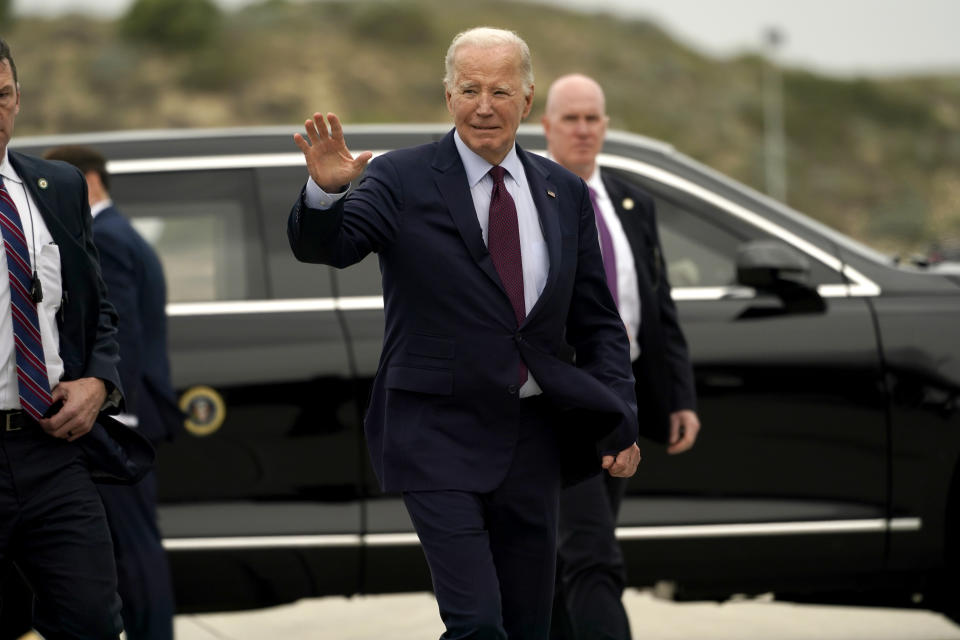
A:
(529, 100)
(96, 191)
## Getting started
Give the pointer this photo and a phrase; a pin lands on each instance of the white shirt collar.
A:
(476, 167)
(595, 181)
(98, 207)
(7, 170)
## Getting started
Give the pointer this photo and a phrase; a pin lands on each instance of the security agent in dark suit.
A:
(591, 574)
(136, 287)
(489, 275)
(52, 523)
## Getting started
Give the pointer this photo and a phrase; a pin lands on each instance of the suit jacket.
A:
(447, 377)
(664, 376)
(136, 287)
(86, 321)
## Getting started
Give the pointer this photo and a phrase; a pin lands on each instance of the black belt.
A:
(15, 420)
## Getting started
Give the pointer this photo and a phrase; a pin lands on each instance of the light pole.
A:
(774, 145)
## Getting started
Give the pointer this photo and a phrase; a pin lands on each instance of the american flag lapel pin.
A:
(551, 193)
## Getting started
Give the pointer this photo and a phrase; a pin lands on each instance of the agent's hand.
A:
(328, 160)
(684, 427)
(82, 400)
(625, 464)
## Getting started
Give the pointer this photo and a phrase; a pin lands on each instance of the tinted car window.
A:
(700, 240)
(202, 224)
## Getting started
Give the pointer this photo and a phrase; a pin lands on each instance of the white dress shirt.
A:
(47, 265)
(97, 207)
(533, 248)
(628, 294)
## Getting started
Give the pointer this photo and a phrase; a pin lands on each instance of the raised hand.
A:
(329, 162)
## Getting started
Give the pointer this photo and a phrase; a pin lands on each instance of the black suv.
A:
(827, 376)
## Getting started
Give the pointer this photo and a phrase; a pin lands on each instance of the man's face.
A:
(486, 99)
(9, 103)
(575, 125)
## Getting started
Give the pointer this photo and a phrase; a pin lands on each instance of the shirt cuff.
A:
(316, 198)
(113, 399)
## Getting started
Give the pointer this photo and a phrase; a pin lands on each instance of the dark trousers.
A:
(591, 574)
(492, 555)
(142, 568)
(54, 529)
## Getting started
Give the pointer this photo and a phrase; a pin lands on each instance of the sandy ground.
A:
(414, 617)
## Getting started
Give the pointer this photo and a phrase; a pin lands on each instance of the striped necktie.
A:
(31, 368)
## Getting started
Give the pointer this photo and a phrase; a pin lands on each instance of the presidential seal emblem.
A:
(205, 410)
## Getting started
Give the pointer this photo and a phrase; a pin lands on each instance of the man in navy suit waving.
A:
(491, 274)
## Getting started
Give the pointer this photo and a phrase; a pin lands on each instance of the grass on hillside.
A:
(878, 159)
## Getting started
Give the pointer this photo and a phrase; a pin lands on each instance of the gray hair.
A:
(488, 37)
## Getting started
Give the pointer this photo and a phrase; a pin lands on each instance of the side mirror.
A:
(775, 267)
(766, 264)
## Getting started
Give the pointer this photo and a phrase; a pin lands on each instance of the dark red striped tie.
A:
(503, 242)
(31, 368)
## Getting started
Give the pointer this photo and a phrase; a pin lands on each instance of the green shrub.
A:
(6, 14)
(394, 23)
(172, 24)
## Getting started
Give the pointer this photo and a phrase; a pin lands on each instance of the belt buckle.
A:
(7, 425)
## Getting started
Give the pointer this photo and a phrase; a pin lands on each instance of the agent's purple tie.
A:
(32, 380)
(503, 242)
(606, 248)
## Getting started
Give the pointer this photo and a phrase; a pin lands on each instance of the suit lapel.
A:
(635, 225)
(42, 196)
(548, 209)
(451, 179)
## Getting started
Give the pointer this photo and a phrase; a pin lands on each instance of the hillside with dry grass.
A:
(878, 159)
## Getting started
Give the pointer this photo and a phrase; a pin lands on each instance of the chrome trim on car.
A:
(876, 525)
(769, 529)
(390, 539)
(375, 303)
(860, 284)
(292, 305)
(256, 542)
(217, 162)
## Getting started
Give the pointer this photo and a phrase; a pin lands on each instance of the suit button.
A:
(512, 389)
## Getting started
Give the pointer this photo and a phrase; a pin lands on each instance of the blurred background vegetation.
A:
(876, 158)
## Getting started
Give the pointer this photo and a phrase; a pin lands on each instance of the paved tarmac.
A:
(414, 617)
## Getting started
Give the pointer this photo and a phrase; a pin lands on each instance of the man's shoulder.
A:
(617, 185)
(110, 225)
(548, 166)
(33, 166)
(566, 181)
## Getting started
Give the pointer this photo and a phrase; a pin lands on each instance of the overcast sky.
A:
(842, 37)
